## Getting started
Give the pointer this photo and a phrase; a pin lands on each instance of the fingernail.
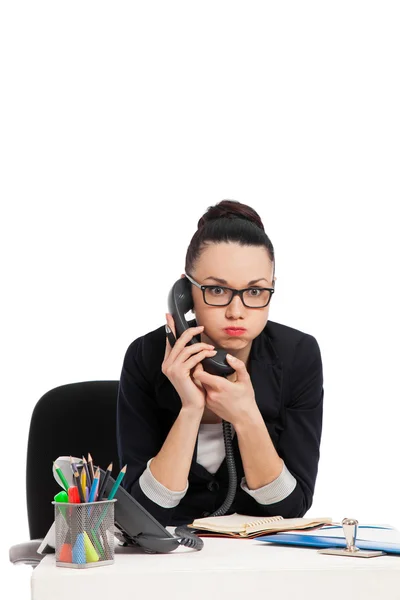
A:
(230, 356)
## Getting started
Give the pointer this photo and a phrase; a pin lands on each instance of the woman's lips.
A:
(235, 331)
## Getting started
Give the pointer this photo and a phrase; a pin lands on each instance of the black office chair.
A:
(73, 419)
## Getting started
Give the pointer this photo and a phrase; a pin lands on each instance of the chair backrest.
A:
(73, 419)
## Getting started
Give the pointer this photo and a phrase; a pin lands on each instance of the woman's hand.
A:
(180, 361)
(231, 401)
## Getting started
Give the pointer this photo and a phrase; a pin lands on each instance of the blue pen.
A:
(93, 488)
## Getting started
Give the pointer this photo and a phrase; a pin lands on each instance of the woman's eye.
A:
(217, 291)
(254, 292)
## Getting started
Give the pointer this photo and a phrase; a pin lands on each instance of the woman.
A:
(170, 410)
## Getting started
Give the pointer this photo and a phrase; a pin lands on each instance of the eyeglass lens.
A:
(253, 297)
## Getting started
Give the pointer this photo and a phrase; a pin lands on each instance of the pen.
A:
(116, 484)
(61, 476)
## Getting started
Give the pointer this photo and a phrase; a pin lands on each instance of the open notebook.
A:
(237, 525)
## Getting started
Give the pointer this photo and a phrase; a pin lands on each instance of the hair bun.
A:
(231, 209)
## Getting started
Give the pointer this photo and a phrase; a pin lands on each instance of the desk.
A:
(224, 568)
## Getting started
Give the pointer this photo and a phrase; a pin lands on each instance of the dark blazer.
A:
(286, 372)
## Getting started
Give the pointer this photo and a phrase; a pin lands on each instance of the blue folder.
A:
(319, 541)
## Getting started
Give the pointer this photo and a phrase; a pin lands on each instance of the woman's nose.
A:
(235, 308)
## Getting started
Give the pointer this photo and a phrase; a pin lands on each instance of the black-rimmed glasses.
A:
(218, 295)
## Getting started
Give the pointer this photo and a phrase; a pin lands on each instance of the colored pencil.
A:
(85, 466)
(83, 480)
(116, 484)
(90, 465)
(79, 486)
(95, 483)
(104, 482)
(73, 465)
(61, 476)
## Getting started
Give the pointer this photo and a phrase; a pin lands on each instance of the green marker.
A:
(62, 497)
(116, 484)
(61, 476)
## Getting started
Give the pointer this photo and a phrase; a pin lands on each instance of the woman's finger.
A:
(183, 339)
(192, 349)
(194, 360)
(240, 368)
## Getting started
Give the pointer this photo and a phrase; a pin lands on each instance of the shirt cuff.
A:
(275, 491)
(157, 492)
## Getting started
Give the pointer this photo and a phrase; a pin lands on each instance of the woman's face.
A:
(235, 266)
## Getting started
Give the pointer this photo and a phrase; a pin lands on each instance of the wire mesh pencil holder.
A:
(84, 534)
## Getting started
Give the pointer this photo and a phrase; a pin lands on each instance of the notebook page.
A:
(286, 524)
(235, 523)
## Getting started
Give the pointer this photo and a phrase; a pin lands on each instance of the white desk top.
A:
(223, 568)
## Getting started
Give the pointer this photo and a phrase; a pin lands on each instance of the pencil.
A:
(85, 466)
(83, 480)
(79, 486)
(116, 484)
(61, 476)
(90, 465)
(73, 465)
(94, 486)
(104, 482)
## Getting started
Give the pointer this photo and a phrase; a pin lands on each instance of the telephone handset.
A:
(180, 302)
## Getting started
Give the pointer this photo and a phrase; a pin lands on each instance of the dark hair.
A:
(228, 221)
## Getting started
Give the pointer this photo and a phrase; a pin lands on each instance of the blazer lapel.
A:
(266, 372)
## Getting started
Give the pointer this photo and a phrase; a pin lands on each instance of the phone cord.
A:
(187, 535)
(230, 463)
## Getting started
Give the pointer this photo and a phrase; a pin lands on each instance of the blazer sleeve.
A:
(299, 442)
(139, 432)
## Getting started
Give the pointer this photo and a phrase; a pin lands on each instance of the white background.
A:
(121, 123)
